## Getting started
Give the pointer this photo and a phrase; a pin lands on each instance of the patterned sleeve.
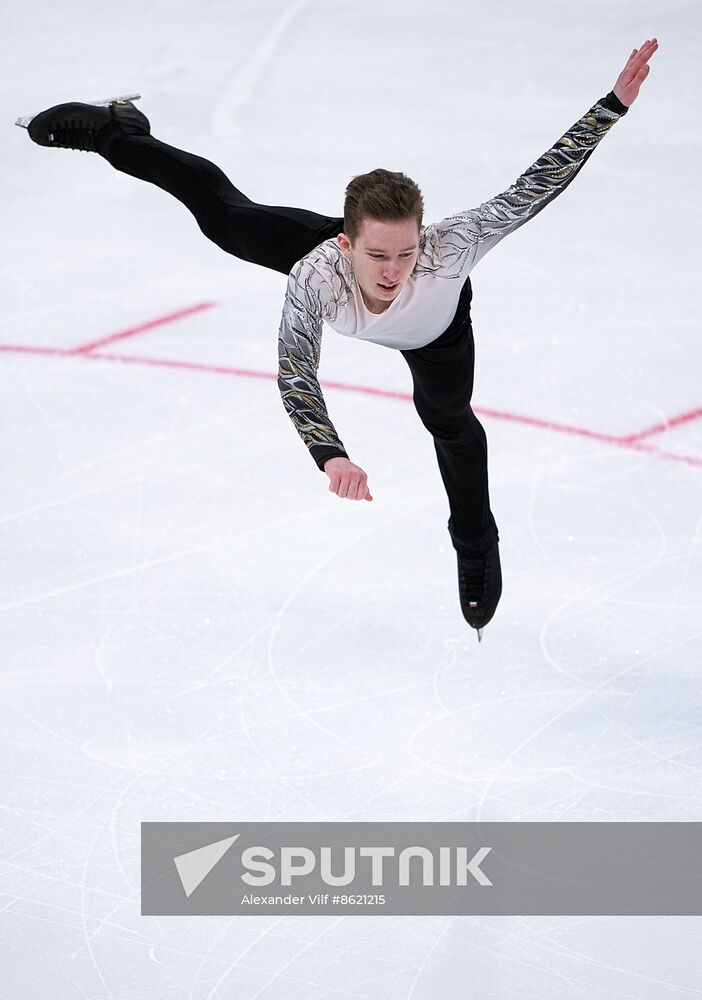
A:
(299, 347)
(465, 238)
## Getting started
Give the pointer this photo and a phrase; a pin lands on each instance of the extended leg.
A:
(273, 236)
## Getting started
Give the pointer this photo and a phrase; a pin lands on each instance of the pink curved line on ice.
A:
(92, 351)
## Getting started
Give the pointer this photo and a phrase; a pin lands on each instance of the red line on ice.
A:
(29, 349)
(665, 424)
(142, 327)
(631, 441)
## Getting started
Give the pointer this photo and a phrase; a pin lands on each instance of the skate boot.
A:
(479, 587)
(76, 126)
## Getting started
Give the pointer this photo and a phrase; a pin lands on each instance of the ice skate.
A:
(479, 587)
(76, 126)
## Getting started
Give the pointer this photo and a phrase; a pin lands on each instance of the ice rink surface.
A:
(194, 628)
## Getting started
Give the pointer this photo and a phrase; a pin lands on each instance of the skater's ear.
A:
(345, 244)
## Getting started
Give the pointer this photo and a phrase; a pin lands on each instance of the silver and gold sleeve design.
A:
(299, 348)
(319, 285)
(464, 239)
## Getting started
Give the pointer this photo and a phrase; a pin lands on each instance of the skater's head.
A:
(382, 220)
(384, 195)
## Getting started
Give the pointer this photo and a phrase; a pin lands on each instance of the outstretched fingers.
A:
(635, 72)
(639, 57)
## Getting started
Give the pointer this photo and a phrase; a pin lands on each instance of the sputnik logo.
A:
(196, 865)
(297, 862)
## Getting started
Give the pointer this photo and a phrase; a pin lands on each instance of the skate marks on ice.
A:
(24, 120)
(239, 89)
(281, 624)
(613, 676)
(632, 546)
(597, 679)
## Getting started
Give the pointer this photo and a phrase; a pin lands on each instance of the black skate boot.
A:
(76, 126)
(479, 587)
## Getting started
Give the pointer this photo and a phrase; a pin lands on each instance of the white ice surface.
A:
(194, 628)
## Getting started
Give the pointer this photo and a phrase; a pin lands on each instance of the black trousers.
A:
(277, 237)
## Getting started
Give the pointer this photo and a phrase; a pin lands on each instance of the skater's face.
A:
(383, 257)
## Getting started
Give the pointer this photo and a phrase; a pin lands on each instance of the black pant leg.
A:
(273, 236)
(442, 374)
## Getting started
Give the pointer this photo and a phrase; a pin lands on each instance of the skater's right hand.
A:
(346, 479)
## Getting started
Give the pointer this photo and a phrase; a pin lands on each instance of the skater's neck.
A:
(373, 305)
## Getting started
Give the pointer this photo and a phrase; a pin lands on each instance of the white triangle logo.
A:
(196, 865)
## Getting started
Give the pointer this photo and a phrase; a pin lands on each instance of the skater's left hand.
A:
(634, 73)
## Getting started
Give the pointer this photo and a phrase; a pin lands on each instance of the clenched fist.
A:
(346, 479)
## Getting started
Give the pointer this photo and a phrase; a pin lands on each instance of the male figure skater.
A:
(374, 274)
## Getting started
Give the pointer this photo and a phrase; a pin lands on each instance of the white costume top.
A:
(322, 286)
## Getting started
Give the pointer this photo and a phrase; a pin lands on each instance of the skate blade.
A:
(24, 121)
